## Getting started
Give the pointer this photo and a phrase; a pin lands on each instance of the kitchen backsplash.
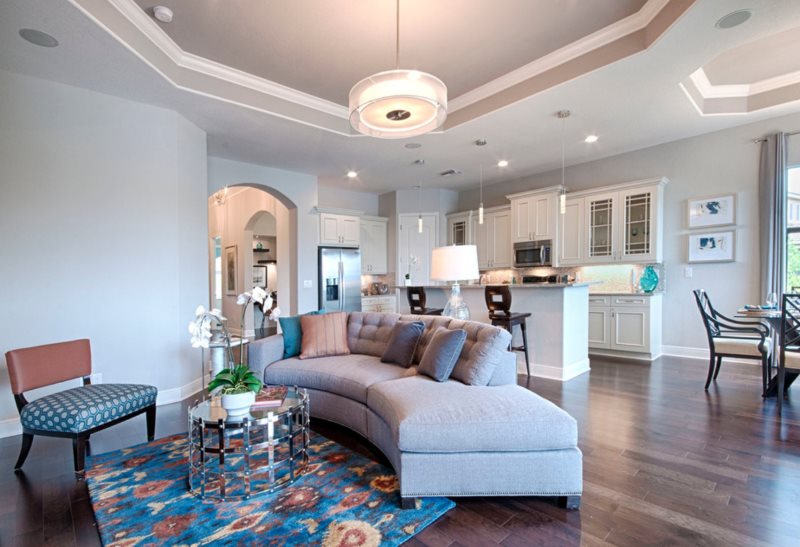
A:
(614, 278)
(367, 287)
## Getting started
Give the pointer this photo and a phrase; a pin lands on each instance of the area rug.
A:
(140, 497)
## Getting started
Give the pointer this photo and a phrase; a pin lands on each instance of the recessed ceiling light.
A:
(163, 14)
(413, 145)
(351, 174)
(38, 37)
(502, 163)
(733, 19)
(591, 138)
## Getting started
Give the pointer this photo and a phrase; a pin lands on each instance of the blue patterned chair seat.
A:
(82, 408)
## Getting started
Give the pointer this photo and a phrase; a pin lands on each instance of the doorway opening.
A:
(250, 231)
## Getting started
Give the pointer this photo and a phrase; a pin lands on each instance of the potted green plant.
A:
(238, 387)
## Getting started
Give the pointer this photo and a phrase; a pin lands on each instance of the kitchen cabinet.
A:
(493, 239)
(379, 304)
(534, 215)
(571, 233)
(373, 243)
(625, 325)
(337, 229)
(461, 228)
(624, 225)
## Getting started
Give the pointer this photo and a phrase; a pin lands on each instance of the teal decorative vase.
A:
(649, 279)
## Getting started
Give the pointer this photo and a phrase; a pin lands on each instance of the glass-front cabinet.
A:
(638, 220)
(624, 226)
(601, 237)
(461, 228)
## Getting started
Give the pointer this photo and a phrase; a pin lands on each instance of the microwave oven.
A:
(528, 254)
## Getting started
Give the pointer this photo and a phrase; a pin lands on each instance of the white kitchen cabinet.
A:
(624, 225)
(493, 239)
(338, 229)
(461, 228)
(625, 325)
(571, 234)
(534, 215)
(379, 304)
(373, 243)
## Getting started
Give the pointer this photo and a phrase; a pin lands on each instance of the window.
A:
(793, 231)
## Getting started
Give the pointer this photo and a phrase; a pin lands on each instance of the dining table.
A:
(773, 319)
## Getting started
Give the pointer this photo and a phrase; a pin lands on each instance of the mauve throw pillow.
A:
(442, 353)
(403, 343)
(324, 335)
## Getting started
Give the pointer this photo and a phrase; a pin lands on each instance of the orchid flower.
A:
(259, 295)
(274, 314)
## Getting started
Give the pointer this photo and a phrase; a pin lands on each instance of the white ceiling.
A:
(632, 103)
(768, 57)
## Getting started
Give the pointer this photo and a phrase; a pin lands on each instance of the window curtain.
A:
(773, 193)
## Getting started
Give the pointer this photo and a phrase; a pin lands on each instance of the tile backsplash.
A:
(613, 278)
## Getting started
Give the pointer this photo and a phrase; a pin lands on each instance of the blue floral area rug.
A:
(140, 497)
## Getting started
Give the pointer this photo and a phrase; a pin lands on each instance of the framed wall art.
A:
(712, 247)
(712, 211)
(260, 276)
(230, 270)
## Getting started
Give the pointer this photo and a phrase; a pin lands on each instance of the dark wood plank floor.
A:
(664, 464)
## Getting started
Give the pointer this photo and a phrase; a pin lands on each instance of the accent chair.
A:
(75, 413)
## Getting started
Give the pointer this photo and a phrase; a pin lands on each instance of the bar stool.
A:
(498, 300)
(416, 301)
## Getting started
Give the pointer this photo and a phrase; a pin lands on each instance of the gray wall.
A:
(348, 199)
(103, 216)
(722, 162)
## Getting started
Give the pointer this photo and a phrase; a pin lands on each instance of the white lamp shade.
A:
(455, 263)
(398, 103)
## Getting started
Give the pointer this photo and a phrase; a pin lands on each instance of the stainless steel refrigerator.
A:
(339, 279)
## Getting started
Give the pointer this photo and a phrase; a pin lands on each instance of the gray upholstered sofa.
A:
(443, 439)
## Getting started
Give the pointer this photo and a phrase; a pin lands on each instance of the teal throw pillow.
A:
(293, 333)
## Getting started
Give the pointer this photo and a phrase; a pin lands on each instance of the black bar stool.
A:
(416, 301)
(498, 300)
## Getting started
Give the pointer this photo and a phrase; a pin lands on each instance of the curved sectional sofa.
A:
(443, 438)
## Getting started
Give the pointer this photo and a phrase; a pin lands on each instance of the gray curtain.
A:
(773, 193)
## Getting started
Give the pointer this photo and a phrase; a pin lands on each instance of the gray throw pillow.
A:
(403, 343)
(442, 353)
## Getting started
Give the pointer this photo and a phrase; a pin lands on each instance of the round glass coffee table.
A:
(233, 459)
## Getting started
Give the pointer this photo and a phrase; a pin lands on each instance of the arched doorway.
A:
(235, 216)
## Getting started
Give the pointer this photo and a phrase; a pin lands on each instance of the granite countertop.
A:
(514, 286)
(622, 293)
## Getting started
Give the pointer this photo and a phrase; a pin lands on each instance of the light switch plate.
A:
(307, 284)
(688, 272)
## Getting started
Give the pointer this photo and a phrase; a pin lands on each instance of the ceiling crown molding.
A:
(600, 38)
(730, 99)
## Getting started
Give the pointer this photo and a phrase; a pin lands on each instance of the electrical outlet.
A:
(688, 271)
(307, 284)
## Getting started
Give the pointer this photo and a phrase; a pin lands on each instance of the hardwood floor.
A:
(665, 463)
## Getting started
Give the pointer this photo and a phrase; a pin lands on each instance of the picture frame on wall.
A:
(712, 247)
(231, 256)
(260, 276)
(712, 211)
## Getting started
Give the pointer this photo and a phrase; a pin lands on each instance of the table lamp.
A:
(454, 263)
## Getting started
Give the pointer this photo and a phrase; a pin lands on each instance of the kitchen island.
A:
(558, 328)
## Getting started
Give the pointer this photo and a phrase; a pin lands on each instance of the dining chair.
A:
(728, 337)
(74, 413)
(790, 345)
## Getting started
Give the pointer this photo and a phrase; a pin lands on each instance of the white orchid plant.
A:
(201, 328)
(259, 295)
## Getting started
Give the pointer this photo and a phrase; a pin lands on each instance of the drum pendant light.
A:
(398, 103)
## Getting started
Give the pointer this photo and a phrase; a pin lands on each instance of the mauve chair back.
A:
(40, 366)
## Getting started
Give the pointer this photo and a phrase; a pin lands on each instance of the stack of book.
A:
(270, 396)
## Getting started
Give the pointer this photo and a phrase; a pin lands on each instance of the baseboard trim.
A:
(562, 374)
(11, 426)
(701, 353)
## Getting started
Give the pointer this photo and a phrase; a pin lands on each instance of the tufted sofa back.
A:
(486, 345)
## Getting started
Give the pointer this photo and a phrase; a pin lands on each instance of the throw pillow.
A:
(403, 343)
(442, 353)
(293, 333)
(324, 335)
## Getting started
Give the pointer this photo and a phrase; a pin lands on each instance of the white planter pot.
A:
(238, 404)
